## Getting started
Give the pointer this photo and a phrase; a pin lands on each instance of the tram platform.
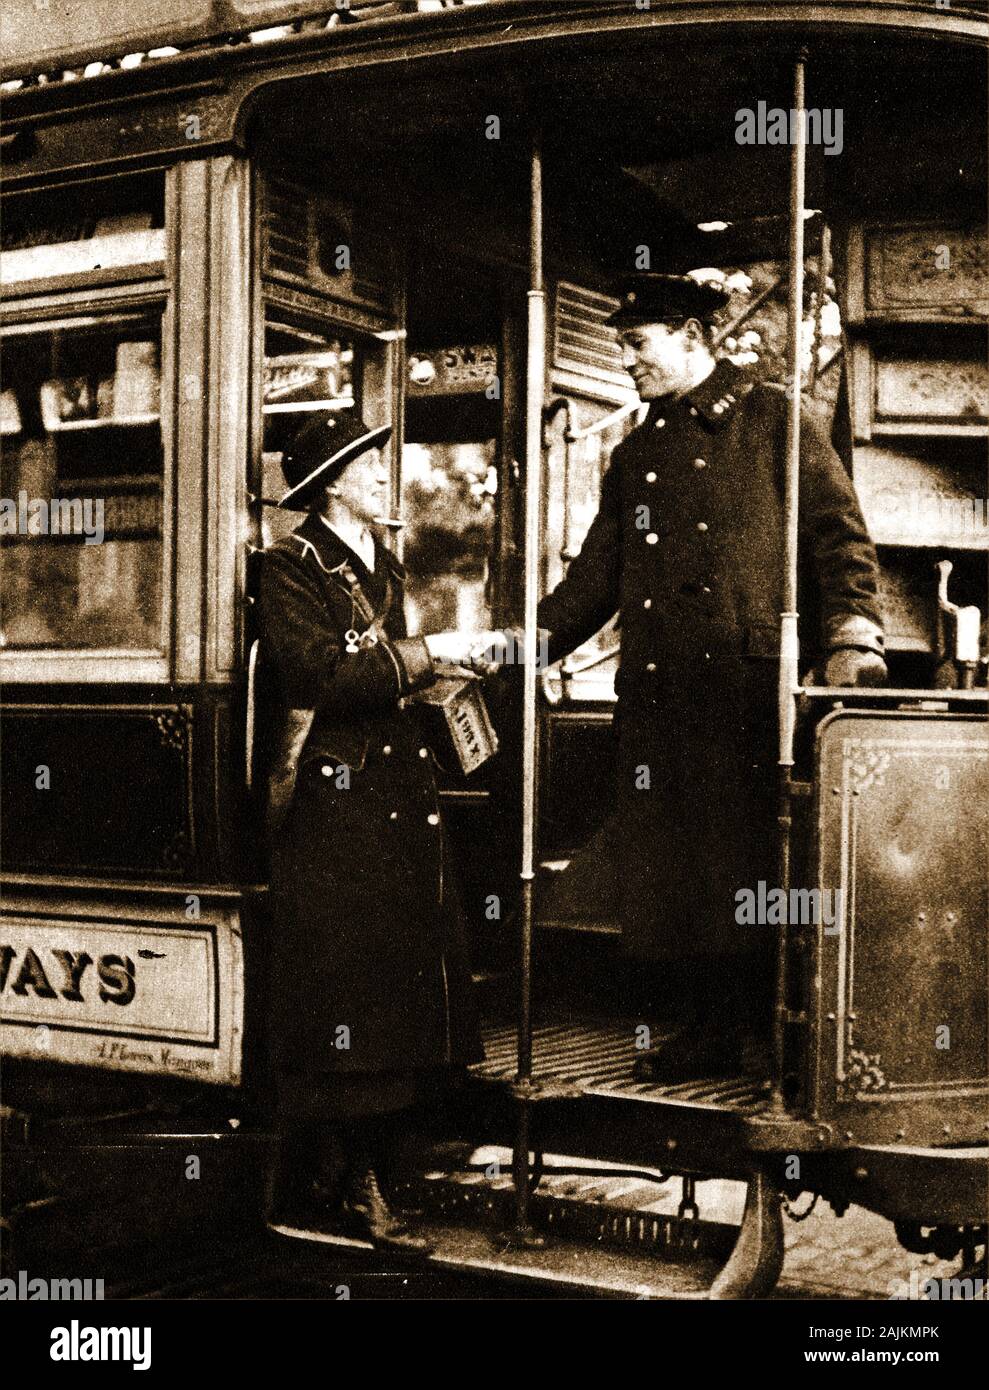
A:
(586, 1100)
(596, 1057)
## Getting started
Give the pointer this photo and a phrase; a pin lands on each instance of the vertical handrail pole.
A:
(534, 400)
(789, 640)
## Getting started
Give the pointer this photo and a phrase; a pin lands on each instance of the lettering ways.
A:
(112, 979)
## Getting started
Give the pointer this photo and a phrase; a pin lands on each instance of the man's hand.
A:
(849, 666)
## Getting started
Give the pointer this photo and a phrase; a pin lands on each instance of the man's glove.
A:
(849, 666)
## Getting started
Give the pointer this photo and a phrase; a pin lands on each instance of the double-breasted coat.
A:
(687, 547)
(369, 968)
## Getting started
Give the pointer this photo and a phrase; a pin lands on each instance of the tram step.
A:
(613, 1232)
(563, 1265)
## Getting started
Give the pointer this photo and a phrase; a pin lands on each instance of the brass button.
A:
(718, 407)
(647, 603)
(650, 477)
(705, 589)
(393, 815)
(433, 818)
(660, 423)
(652, 538)
(326, 770)
(424, 752)
(693, 410)
(387, 749)
(702, 526)
(700, 463)
(650, 665)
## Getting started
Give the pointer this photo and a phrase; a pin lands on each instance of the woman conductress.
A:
(371, 985)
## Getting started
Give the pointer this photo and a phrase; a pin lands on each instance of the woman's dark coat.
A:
(687, 545)
(369, 967)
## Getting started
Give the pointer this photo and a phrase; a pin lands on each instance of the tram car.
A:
(219, 218)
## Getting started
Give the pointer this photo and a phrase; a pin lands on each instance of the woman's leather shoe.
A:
(368, 1214)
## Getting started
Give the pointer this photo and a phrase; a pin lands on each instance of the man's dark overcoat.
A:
(687, 547)
(368, 933)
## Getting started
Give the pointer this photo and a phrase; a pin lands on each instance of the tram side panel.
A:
(899, 1013)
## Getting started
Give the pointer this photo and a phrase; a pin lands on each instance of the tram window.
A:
(100, 225)
(448, 503)
(449, 497)
(81, 485)
(307, 366)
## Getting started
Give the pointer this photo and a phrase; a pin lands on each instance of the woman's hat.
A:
(654, 298)
(321, 450)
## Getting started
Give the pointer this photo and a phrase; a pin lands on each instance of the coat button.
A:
(652, 538)
(693, 410)
(650, 477)
(393, 815)
(705, 588)
(700, 463)
(326, 770)
(647, 603)
(432, 818)
(387, 749)
(650, 665)
(660, 423)
(424, 752)
(702, 526)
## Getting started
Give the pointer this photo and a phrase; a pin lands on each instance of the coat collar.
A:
(717, 397)
(334, 553)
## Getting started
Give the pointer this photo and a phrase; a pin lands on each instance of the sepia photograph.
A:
(494, 666)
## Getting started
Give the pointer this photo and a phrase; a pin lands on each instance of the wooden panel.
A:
(902, 1021)
(924, 389)
(190, 388)
(917, 501)
(909, 604)
(37, 35)
(321, 244)
(117, 796)
(935, 388)
(584, 344)
(932, 268)
(230, 330)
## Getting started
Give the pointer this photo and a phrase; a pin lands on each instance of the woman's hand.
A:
(482, 651)
(450, 648)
